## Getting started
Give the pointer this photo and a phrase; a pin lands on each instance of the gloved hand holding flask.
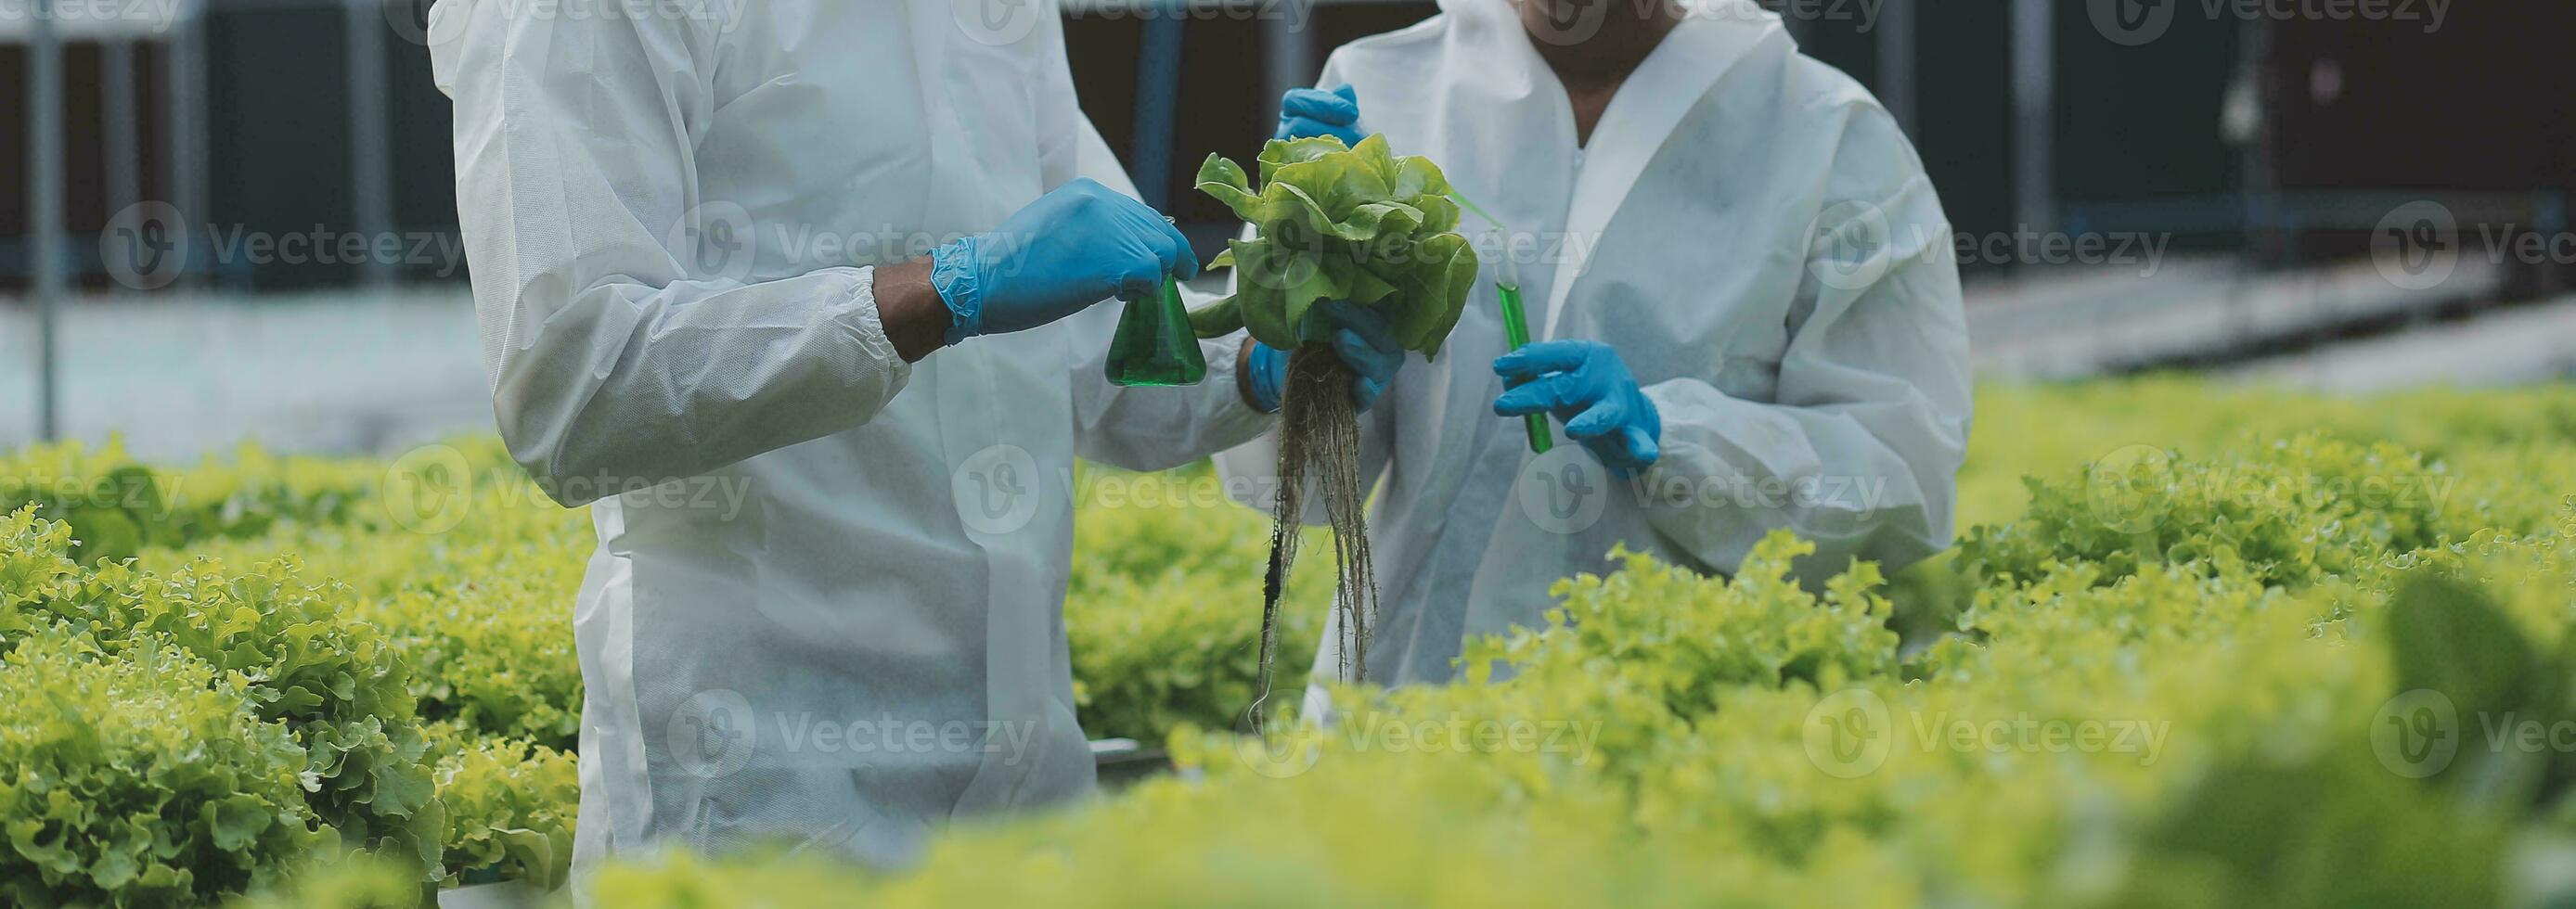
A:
(1073, 247)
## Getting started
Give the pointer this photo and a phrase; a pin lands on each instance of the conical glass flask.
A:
(1154, 345)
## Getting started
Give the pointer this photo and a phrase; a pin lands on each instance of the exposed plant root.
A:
(1319, 450)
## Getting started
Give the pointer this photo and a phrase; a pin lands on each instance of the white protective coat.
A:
(1816, 386)
(837, 616)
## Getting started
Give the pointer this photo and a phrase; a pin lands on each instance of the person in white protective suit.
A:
(798, 296)
(1744, 311)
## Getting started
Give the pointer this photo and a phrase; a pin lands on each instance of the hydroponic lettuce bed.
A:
(2223, 647)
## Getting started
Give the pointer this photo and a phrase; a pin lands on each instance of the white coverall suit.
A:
(671, 221)
(1753, 235)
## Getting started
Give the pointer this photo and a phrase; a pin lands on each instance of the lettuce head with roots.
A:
(1332, 222)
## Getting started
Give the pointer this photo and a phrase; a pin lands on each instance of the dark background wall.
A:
(2486, 104)
(2481, 106)
(84, 149)
(1222, 66)
(1963, 94)
(279, 146)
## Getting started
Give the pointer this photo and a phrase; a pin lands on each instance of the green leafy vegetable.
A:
(339, 687)
(2248, 610)
(1333, 223)
(509, 808)
(139, 778)
(1337, 223)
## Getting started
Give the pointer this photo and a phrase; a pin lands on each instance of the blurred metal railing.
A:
(45, 202)
(180, 84)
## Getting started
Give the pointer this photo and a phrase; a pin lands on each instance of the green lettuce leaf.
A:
(1339, 223)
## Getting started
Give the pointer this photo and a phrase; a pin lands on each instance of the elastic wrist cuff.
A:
(952, 274)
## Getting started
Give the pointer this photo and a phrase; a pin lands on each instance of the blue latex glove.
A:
(1585, 384)
(1360, 335)
(1073, 247)
(1309, 112)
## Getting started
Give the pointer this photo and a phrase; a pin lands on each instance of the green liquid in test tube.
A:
(1515, 319)
(1154, 346)
(1516, 331)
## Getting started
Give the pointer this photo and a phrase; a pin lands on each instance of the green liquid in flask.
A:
(1516, 331)
(1154, 346)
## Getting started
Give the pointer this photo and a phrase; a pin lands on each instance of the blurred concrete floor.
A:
(373, 373)
(177, 377)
